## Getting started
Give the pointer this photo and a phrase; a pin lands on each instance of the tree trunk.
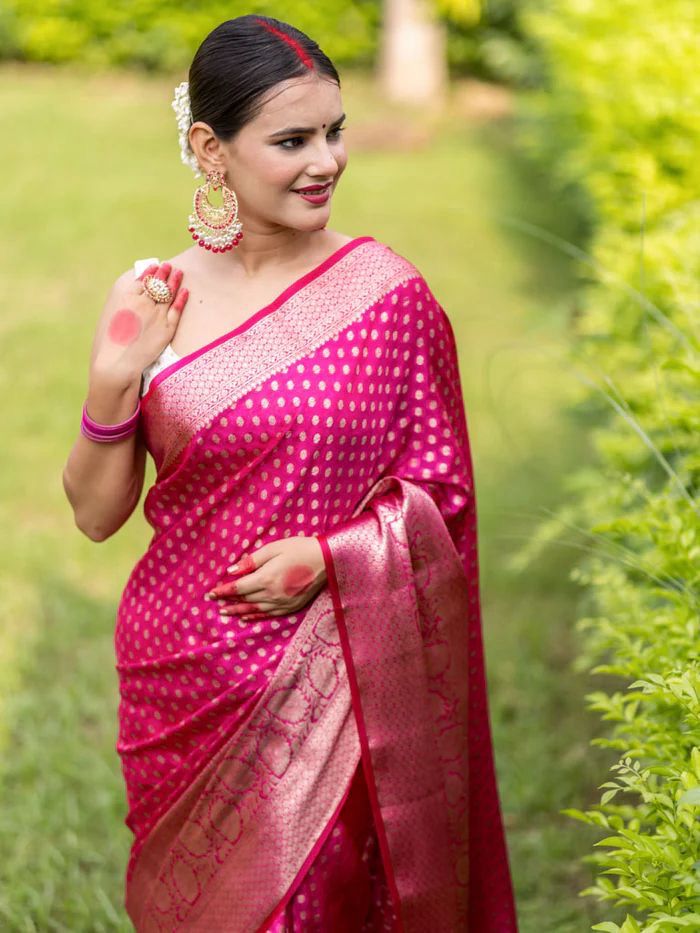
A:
(413, 54)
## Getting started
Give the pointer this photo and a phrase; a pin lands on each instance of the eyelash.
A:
(338, 130)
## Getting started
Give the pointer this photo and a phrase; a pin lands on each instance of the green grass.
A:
(96, 183)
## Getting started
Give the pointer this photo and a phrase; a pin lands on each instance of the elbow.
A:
(93, 532)
(100, 531)
(83, 524)
(98, 534)
(99, 522)
(108, 526)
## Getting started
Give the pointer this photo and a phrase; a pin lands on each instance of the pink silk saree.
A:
(330, 770)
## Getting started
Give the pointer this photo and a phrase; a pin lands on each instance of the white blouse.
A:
(168, 355)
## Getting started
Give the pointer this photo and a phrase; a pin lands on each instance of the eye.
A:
(336, 132)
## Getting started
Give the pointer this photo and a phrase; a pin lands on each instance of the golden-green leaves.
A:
(620, 120)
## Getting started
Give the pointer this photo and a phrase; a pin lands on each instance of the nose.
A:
(325, 163)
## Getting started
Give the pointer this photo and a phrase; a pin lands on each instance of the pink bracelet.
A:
(107, 433)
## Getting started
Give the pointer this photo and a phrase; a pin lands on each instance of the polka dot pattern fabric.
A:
(279, 429)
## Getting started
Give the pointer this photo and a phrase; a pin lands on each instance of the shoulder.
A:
(399, 275)
(407, 294)
(124, 282)
(182, 260)
(391, 263)
(385, 264)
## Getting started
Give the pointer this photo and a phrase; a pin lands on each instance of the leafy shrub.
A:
(482, 38)
(152, 34)
(619, 119)
(494, 47)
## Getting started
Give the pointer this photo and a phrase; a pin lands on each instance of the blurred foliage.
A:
(495, 47)
(156, 35)
(483, 38)
(466, 12)
(619, 121)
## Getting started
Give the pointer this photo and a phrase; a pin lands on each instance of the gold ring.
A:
(157, 289)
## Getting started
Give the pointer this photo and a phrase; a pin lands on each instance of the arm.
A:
(103, 482)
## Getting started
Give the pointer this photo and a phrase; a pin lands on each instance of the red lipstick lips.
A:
(313, 189)
(314, 194)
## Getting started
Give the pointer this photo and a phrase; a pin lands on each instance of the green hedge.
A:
(495, 47)
(155, 35)
(619, 122)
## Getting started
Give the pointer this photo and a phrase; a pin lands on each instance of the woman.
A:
(303, 720)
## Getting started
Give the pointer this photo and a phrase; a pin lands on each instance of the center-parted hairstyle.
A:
(240, 61)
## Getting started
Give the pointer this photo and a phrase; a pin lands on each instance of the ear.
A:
(206, 147)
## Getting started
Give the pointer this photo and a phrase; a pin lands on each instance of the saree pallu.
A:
(330, 770)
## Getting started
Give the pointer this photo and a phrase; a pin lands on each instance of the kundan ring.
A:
(157, 289)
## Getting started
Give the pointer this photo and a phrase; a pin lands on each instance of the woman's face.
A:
(265, 162)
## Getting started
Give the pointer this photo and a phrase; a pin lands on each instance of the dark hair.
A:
(242, 59)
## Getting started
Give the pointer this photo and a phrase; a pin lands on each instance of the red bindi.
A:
(124, 327)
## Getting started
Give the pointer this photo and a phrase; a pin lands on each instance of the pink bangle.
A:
(106, 433)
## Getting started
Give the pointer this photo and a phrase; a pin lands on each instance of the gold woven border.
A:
(194, 394)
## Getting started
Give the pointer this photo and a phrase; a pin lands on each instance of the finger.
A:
(245, 588)
(246, 564)
(174, 280)
(245, 608)
(180, 300)
(235, 609)
(265, 613)
(149, 270)
(164, 271)
(250, 583)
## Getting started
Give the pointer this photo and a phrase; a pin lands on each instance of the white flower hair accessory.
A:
(183, 111)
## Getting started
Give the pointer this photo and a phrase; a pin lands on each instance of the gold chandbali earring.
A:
(215, 228)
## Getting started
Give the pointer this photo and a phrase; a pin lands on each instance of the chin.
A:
(313, 223)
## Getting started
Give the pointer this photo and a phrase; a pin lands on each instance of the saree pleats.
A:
(225, 854)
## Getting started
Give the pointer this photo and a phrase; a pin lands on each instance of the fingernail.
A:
(233, 568)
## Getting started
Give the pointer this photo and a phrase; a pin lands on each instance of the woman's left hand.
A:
(277, 579)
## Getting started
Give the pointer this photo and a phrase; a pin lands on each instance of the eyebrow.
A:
(291, 130)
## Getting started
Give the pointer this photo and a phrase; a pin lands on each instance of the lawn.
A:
(93, 182)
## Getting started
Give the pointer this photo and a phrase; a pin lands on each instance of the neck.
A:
(260, 250)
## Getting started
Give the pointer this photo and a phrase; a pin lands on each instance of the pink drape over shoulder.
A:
(331, 770)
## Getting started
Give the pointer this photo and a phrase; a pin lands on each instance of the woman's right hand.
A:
(134, 329)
